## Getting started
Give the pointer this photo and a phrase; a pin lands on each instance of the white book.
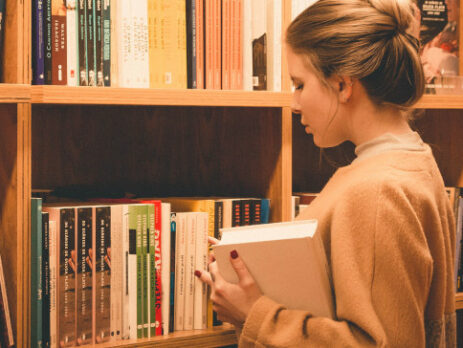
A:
(140, 64)
(71, 37)
(125, 39)
(114, 43)
(179, 292)
(117, 235)
(274, 14)
(201, 258)
(247, 45)
(125, 332)
(165, 270)
(190, 253)
(287, 261)
(53, 278)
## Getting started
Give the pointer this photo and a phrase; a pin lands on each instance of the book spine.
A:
(53, 235)
(191, 43)
(191, 230)
(180, 249)
(71, 43)
(218, 218)
(125, 42)
(158, 266)
(173, 233)
(117, 273)
(145, 275)
(36, 272)
(66, 282)
(106, 23)
(200, 288)
(47, 42)
(102, 274)
(151, 273)
(82, 42)
(199, 18)
(125, 332)
(166, 266)
(84, 288)
(115, 28)
(132, 278)
(140, 262)
(38, 45)
(236, 212)
(91, 43)
(265, 212)
(274, 10)
(99, 42)
(217, 44)
(59, 46)
(245, 217)
(140, 43)
(46, 279)
(227, 41)
(246, 47)
(237, 46)
(256, 211)
(208, 40)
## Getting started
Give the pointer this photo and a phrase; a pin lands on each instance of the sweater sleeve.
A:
(381, 271)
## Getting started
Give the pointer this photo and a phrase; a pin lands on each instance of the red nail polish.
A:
(234, 254)
(198, 273)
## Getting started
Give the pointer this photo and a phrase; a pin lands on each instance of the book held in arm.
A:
(287, 261)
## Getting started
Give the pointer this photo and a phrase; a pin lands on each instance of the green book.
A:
(152, 271)
(36, 272)
(145, 275)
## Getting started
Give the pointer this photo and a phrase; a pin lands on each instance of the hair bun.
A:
(401, 11)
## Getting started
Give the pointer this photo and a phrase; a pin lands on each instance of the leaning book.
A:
(286, 259)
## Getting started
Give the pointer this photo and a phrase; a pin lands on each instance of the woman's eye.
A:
(299, 87)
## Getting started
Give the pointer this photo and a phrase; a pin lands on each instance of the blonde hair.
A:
(368, 40)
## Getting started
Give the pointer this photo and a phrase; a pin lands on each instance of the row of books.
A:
(213, 44)
(116, 269)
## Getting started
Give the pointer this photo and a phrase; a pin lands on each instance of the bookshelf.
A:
(163, 141)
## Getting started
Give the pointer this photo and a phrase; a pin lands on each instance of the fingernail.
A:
(234, 254)
(198, 273)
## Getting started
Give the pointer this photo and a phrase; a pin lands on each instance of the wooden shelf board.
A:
(459, 300)
(432, 101)
(14, 93)
(146, 96)
(215, 337)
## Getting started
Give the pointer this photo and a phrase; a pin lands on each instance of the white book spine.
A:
(125, 332)
(132, 284)
(53, 277)
(190, 269)
(165, 271)
(116, 271)
(179, 294)
(125, 41)
(200, 288)
(140, 63)
(274, 13)
(247, 45)
(71, 37)
(114, 43)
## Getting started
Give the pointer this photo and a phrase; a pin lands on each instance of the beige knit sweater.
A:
(389, 234)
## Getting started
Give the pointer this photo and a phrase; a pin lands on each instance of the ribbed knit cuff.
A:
(263, 307)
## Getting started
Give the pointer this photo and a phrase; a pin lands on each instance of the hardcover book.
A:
(59, 43)
(286, 259)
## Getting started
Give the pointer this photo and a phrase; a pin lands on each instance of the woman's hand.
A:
(232, 302)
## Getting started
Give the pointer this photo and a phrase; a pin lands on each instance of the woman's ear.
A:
(345, 88)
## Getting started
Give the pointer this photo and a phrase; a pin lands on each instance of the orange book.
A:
(239, 23)
(199, 44)
(209, 77)
(227, 43)
(217, 45)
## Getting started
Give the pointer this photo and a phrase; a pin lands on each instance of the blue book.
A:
(36, 272)
(265, 213)
(38, 47)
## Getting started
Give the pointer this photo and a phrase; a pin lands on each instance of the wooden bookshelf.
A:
(14, 93)
(433, 101)
(137, 96)
(215, 337)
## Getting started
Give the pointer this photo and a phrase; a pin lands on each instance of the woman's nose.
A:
(295, 107)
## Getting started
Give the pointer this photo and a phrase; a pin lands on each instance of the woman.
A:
(385, 219)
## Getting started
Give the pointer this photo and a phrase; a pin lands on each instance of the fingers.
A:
(212, 240)
(214, 271)
(239, 267)
(204, 276)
